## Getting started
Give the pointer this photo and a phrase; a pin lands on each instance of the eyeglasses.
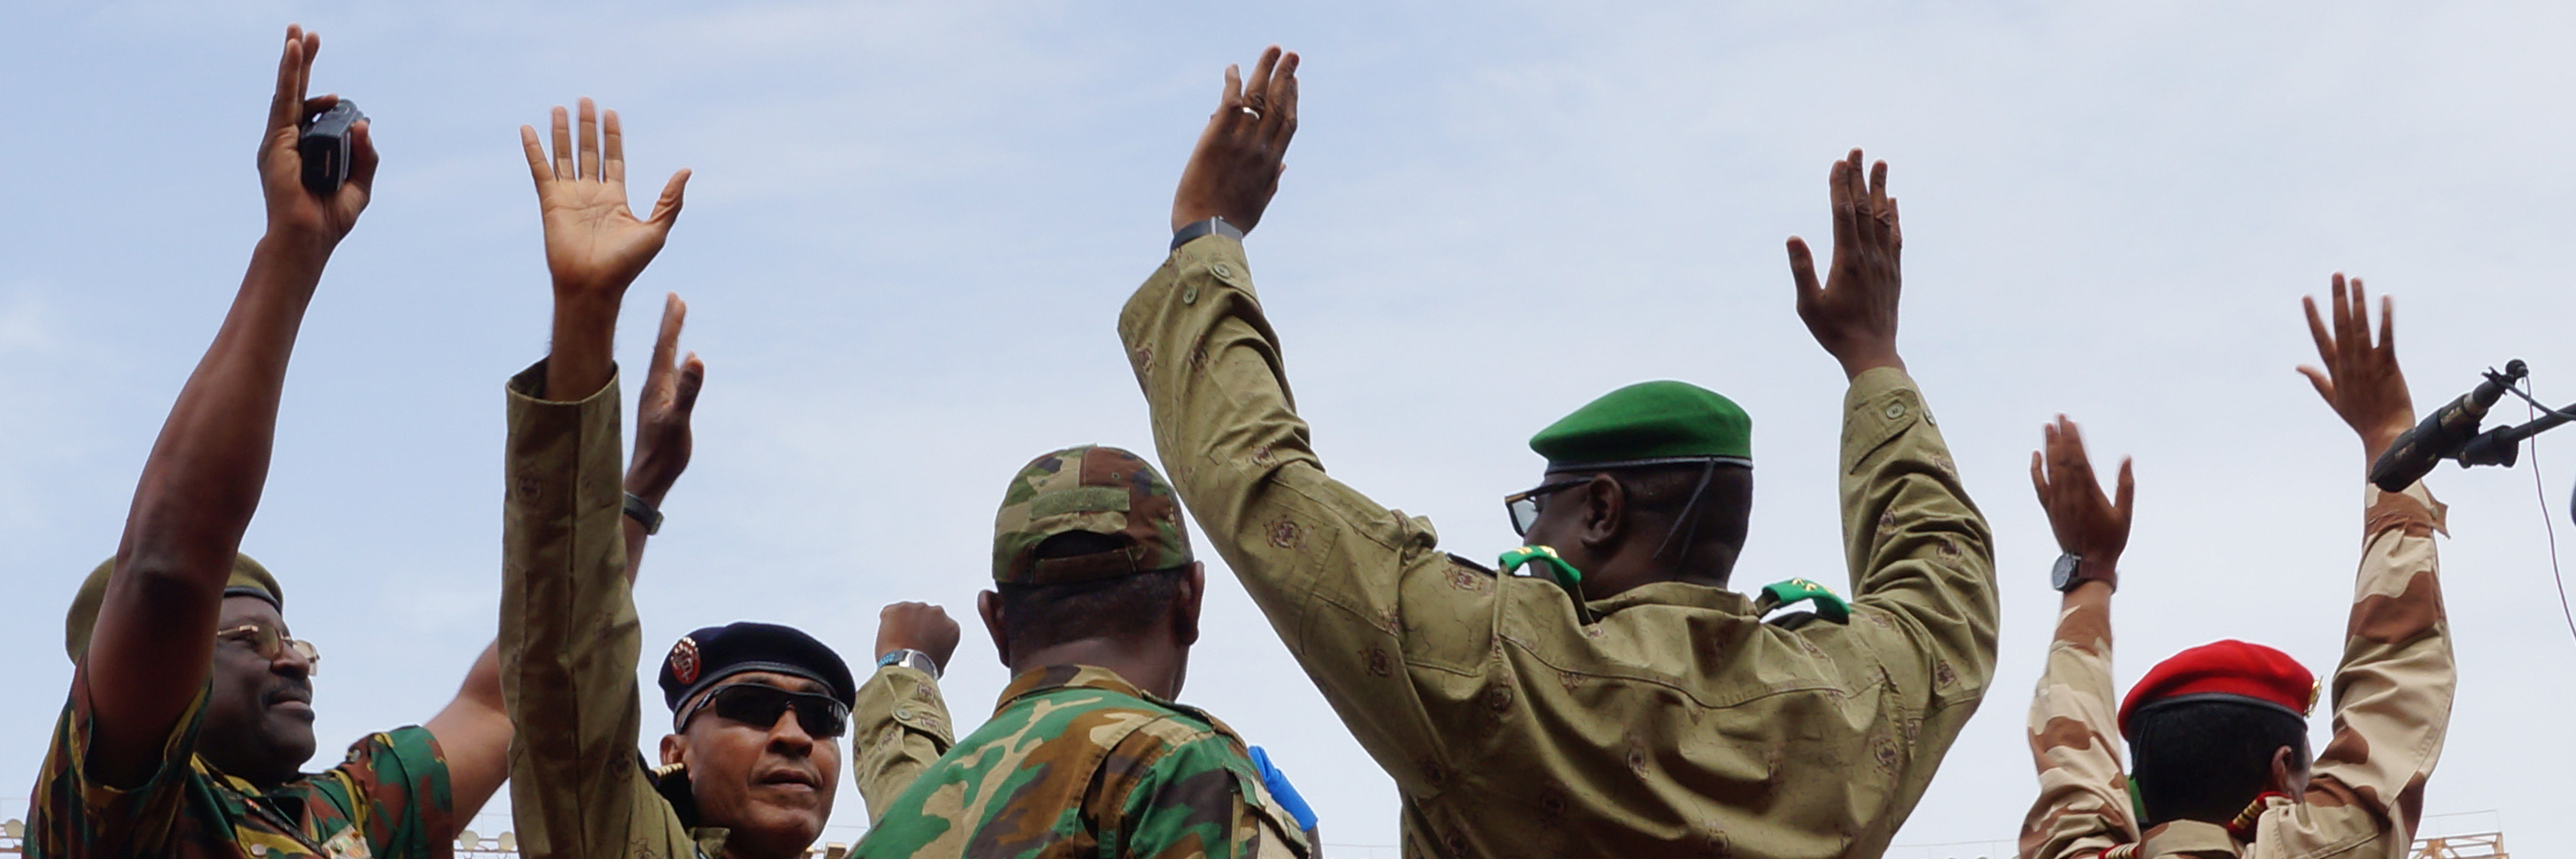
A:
(760, 705)
(1525, 506)
(270, 643)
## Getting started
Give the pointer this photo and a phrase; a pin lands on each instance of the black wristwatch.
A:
(2071, 572)
(643, 513)
(1195, 229)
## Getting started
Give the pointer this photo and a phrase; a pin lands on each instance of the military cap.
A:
(1094, 489)
(700, 659)
(248, 579)
(2227, 670)
(1649, 423)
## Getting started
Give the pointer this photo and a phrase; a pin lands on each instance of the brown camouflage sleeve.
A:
(899, 729)
(2083, 805)
(2392, 696)
(570, 638)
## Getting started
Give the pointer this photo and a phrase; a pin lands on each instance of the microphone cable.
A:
(2540, 489)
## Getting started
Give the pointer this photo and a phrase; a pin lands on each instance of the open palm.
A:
(595, 246)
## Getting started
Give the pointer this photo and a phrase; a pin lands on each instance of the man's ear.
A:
(1185, 605)
(1605, 509)
(989, 605)
(2289, 773)
(675, 749)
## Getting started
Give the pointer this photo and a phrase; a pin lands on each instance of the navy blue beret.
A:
(703, 658)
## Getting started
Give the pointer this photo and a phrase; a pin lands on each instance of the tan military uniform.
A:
(899, 728)
(570, 640)
(2392, 699)
(1676, 721)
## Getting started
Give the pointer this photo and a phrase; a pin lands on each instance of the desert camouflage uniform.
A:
(1077, 762)
(570, 640)
(2392, 699)
(389, 800)
(1672, 719)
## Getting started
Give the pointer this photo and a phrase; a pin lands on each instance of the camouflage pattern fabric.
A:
(389, 800)
(1102, 490)
(1076, 761)
(1518, 720)
(2365, 796)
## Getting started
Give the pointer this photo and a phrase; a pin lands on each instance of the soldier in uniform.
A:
(190, 715)
(1624, 701)
(2217, 735)
(1095, 608)
(750, 767)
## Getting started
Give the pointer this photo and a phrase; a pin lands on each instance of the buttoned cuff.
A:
(1880, 406)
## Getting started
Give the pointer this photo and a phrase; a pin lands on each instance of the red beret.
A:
(2225, 669)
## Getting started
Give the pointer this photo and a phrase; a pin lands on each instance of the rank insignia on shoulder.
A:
(1828, 605)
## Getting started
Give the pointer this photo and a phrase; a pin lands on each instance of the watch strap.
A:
(1195, 229)
(2085, 571)
(910, 658)
(644, 514)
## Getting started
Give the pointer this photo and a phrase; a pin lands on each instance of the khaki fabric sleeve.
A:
(570, 638)
(1341, 579)
(899, 729)
(2083, 807)
(2392, 696)
(1920, 553)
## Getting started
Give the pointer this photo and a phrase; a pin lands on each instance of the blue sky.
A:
(912, 224)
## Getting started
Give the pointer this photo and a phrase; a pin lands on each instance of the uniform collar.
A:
(1039, 681)
(2189, 838)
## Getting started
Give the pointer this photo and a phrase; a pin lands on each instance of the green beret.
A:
(1649, 423)
(248, 579)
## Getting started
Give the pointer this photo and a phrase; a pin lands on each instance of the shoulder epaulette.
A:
(1830, 606)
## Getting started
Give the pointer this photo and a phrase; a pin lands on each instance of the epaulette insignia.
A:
(1829, 605)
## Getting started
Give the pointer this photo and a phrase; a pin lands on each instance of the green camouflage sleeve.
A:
(394, 785)
(1195, 798)
(899, 729)
(570, 638)
(74, 816)
(2392, 696)
(2083, 805)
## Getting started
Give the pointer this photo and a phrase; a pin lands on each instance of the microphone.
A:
(2441, 434)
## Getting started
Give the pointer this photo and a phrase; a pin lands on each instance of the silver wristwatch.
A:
(913, 659)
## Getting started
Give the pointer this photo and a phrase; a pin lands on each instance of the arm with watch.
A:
(901, 725)
(2083, 806)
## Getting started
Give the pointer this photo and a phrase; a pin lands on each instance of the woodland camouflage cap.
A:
(1101, 490)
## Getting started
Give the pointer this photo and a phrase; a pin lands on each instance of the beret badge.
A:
(684, 660)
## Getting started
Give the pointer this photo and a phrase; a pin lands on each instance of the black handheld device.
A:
(324, 144)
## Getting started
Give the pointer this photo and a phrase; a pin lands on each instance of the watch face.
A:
(2063, 574)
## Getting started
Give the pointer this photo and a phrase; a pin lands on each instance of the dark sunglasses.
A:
(1525, 506)
(757, 705)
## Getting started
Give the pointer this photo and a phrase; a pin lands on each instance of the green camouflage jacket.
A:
(1666, 719)
(1078, 762)
(389, 800)
(2365, 796)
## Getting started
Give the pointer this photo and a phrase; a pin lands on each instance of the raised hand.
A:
(2087, 524)
(1235, 168)
(917, 626)
(662, 439)
(1854, 314)
(293, 211)
(2361, 381)
(595, 246)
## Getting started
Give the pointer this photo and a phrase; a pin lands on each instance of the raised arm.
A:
(2393, 691)
(1916, 545)
(569, 635)
(2083, 804)
(151, 650)
(901, 725)
(474, 729)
